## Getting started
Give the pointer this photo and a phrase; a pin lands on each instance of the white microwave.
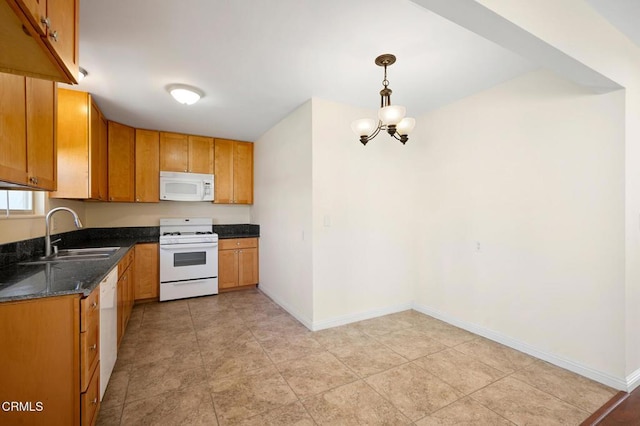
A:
(176, 186)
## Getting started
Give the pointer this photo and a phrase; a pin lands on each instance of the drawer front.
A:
(90, 400)
(237, 243)
(90, 309)
(89, 353)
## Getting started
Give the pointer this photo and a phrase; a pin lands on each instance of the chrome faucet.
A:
(47, 220)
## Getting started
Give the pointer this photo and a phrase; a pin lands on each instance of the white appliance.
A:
(188, 258)
(108, 327)
(176, 186)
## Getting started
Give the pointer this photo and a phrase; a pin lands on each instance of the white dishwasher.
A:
(108, 327)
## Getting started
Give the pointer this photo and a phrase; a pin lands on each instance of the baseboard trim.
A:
(293, 312)
(604, 378)
(359, 316)
(633, 380)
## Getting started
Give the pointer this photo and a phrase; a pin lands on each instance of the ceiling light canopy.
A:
(390, 117)
(184, 94)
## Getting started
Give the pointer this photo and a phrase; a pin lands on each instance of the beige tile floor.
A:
(238, 358)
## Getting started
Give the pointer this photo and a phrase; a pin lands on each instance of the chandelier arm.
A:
(375, 132)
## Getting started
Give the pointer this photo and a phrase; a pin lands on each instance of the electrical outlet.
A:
(54, 223)
(478, 246)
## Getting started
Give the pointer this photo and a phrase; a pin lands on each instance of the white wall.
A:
(577, 30)
(108, 215)
(282, 207)
(16, 229)
(532, 171)
(362, 262)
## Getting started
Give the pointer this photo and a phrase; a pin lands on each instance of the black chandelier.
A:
(390, 117)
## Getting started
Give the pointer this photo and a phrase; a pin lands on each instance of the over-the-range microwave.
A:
(177, 186)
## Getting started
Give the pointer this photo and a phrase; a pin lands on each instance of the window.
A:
(18, 202)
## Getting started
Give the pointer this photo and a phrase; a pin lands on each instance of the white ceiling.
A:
(623, 14)
(257, 60)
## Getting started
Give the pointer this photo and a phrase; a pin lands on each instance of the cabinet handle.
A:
(46, 21)
(95, 401)
(54, 35)
(93, 347)
(138, 200)
(94, 305)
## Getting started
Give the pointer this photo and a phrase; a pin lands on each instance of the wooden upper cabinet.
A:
(223, 184)
(27, 140)
(62, 34)
(121, 162)
(147, 159)
(13, 129)
(97, 154)
(200, 154)
(41, 147)
(243, 173)
(233, 172)
(40, 38)
(174, 152)
(103, 166)
(186, 153)
(36, 12)
(82, 147)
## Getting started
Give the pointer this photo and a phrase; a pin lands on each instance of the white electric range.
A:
(188, 258)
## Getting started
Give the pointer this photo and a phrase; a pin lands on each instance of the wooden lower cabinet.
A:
(237, 263)
(125, 291)
(147, 274)
(50, 360)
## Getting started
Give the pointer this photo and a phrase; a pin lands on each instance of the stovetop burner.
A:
(186, 230)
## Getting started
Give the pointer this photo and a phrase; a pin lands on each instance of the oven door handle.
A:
(175, 247)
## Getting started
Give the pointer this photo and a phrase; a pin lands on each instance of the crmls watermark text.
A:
(22, 406)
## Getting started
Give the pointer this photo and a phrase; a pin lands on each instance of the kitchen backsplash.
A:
(28, 249)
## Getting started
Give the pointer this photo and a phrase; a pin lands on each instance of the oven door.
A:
(181, 262)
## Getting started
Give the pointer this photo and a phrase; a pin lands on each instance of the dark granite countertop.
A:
(237, 231)
(28, 281)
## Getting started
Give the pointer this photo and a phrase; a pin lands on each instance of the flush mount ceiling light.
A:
(184, 94)
(82, 74)
(390, 117)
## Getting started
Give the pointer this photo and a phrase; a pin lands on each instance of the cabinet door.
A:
(223, 155)
(95, 140)
(25, 48)
(103, 160)
(41, 148)
(37, 13)
(63, 32)
(147, 166)
(200, 154)
(248, 266)
(72, 143)
(147, 282)
(243, 173)
(227, 268)
(121, 296)
(174, 152)
(121, 162)
(39, 359)
(13, 129)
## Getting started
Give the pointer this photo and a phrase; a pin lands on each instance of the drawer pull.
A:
(93, 347)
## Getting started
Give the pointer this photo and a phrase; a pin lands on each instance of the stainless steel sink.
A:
(69, 255)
